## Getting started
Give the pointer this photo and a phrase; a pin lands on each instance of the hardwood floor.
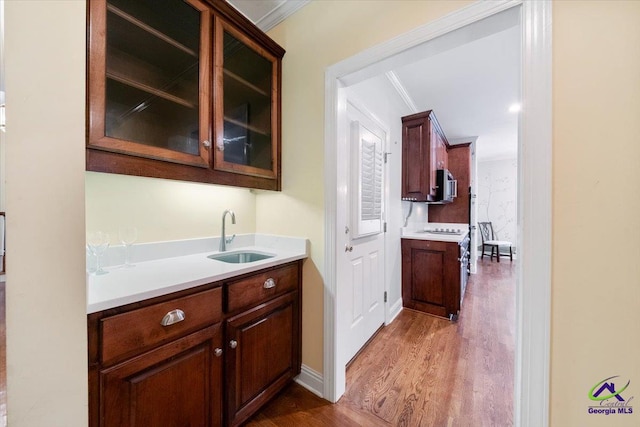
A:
(425, 371)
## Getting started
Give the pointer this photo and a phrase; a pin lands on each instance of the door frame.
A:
(533, 291)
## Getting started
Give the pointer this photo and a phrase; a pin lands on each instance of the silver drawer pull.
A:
(233, 343)
(174, 316)
(217, 352)
(269, 283)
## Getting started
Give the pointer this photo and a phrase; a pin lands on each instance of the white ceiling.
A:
(470, 88)
(266, 14)
(469, 77)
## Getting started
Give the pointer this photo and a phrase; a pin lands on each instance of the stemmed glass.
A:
(98, 242)
(128, 235)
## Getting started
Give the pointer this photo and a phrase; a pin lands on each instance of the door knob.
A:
(217, 352)
(233, 343)
(348, 248)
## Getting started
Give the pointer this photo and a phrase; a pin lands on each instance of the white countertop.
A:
(418, 232)
(164, 275)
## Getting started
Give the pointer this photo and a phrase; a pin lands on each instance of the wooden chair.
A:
(490, 239)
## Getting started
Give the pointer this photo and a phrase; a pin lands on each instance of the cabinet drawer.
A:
(135, 331)
(258, 288)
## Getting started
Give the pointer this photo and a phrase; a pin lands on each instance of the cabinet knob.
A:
(206, 143)
(220, 145)
(233, 343)
(269, 283)
(217, 352)
(172, 317)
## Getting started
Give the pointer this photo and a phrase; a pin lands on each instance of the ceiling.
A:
(469, 77)
(470, 88)
(266, 14)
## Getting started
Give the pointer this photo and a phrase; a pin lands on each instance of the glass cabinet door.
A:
(152, 95)
(245, 111)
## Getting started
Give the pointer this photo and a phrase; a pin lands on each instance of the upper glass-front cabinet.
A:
(182, 89)
(246, 108)
(150, 94)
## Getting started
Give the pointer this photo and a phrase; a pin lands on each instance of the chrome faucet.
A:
(223, 238)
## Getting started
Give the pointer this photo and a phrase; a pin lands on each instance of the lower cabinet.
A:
(177, 384)
(262, 355)
(431, 277)
(187, 360)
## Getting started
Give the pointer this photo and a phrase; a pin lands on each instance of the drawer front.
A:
(138, 330)
(261, 287)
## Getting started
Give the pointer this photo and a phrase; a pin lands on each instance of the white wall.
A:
(381, 99)
(45, 290)
(497, 196)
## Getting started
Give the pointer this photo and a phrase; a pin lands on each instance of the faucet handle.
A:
(230, 239)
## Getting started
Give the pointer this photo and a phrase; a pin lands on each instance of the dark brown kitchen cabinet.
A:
(424, 150)
(176, 384)
(434, 276)
(263, 355)
(150, 366)
(234, 345)
(187, 91)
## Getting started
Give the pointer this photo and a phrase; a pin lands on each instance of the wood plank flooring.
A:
(425, 371)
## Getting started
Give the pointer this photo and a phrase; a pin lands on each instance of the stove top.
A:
(454, 231)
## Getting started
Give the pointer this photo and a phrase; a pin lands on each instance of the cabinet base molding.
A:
(311, 380)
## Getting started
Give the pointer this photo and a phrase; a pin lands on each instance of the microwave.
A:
(446, 186)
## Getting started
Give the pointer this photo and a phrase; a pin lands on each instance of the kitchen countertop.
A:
(163, 275)
(418, 232)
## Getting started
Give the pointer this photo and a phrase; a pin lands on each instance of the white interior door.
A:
(360, 214)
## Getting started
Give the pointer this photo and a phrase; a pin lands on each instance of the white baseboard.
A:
(311, 380)
(394, 311)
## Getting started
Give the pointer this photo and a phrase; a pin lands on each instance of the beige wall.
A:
(316, 37)
(46, 297)
(164, 209)
(596, 220)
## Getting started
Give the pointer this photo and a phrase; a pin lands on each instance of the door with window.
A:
(360, 214)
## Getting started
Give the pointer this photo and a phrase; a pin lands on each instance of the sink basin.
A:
(240, 257)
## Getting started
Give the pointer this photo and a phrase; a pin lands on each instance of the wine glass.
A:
(127, 235)
(98, 242)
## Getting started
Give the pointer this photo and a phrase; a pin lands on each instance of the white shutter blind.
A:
(371, 179)
(367, 181)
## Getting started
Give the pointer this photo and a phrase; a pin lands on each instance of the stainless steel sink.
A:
(240, 257)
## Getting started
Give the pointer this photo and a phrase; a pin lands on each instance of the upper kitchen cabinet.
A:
(189, 90)
(424, 151)
(246, 105)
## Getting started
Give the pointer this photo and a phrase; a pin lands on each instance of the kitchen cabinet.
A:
(434, 275)
(208, 356)
(187, 91)
(157, 363)
(424, 150)
(175, 384)
(263, 335)
(459, 157)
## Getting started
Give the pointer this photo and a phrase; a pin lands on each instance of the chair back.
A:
(486, 231)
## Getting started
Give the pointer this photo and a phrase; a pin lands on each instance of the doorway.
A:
(532, 350)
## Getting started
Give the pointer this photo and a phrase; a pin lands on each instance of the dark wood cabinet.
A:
(433, 276)
(460, 167)
(424, 150)
(263, 355)
(174, 385)
(188, 91)
(215, 367)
